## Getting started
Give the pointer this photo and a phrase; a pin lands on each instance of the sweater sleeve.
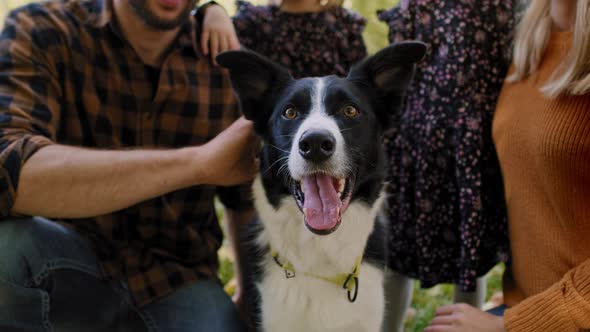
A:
(565, 306)
(356, 49)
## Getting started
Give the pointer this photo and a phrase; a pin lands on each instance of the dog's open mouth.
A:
(323, 199)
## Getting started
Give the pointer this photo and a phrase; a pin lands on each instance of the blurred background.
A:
(424, 301)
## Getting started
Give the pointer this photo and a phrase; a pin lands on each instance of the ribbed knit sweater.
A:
(544, 150)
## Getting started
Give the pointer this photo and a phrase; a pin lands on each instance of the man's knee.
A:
(203, 306)
(29, 245)
(16, 245)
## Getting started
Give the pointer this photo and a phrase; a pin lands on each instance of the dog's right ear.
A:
(255, 79)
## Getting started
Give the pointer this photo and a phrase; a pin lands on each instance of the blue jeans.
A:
(50, 282)
(498, 311)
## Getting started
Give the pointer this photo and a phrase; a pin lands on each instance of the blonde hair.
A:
(532, 36)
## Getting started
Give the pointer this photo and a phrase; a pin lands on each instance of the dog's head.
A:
(322, 136)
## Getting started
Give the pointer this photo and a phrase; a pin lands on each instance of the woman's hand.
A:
(463, 317)
(218, 33)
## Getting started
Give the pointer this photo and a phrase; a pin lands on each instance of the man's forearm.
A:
(66, 182)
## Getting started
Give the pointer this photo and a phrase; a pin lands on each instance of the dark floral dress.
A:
(308, 44)
(445, 198)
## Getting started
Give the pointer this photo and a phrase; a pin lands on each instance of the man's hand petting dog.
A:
(230, 158)
(463, 317)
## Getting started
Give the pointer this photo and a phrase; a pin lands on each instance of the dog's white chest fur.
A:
(306, 303)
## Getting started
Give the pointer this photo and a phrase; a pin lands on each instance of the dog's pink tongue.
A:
(322, 204)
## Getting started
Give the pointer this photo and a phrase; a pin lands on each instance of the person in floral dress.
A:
(310, 38)
(445, 202)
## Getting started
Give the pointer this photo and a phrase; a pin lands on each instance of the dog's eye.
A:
(290, 113)
(350, 111)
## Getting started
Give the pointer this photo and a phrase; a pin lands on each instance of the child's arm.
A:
(218, 33)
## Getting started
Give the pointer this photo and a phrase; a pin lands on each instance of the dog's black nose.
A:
(317, 145)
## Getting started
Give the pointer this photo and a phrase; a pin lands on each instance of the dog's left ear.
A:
(389, 71)
(255, 79)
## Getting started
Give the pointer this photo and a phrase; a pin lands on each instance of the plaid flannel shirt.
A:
(68, 76)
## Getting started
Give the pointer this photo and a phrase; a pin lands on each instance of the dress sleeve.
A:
(564, 307)
(400, 20)
(356, 49)
(30, 93)
(246, 24)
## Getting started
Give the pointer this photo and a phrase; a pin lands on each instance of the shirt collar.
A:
(100, 15)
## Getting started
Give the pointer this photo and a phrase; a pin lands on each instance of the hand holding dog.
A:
(230, 158)
(463, 317)
(218, 33)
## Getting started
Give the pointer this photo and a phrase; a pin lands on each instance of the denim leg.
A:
(23, 309)
(49, 282)
(202, 306)
(498, 311)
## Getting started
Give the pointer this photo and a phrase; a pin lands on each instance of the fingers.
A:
(448, 309)
(253, 149)
(254, 168)
(444, 320)
(233, 42)
(215, 42)
(242, 122)
(223, 44)
(463, 317)
(250, 164)
(205, 42)
(248, 168)
(439, 328)
(214, 46)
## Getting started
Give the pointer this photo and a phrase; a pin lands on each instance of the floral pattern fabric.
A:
(445, 201)
(308, 44)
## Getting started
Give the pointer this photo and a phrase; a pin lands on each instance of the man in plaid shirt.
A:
(116, 133)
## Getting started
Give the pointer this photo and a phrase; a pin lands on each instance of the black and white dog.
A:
(316, 259)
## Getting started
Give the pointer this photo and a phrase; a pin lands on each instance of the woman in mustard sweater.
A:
(541, 131)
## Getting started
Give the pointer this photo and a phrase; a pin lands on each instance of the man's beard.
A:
(142, 9)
